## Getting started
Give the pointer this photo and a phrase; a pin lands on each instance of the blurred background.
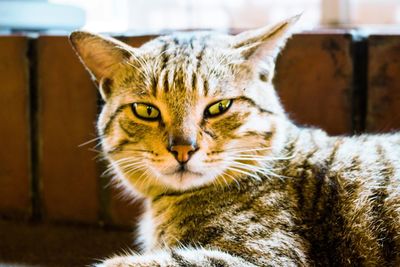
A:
(146, 16)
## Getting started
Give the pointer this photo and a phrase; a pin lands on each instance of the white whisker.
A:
(134, 169)
(91, 141)
(234, 179)
(239, 150)
(146, 177)
(238, 169)
(258, 158)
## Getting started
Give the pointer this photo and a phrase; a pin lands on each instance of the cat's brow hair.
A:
(173, 50)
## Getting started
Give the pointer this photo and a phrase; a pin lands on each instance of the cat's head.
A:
(188, 109)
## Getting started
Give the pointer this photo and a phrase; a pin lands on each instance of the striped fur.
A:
(258, 191)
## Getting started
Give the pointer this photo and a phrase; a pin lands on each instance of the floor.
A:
(34, 245)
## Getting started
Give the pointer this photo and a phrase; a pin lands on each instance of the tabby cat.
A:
(192, 122)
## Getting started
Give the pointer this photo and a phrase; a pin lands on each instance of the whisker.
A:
(146, 178)
(108, 171)
(138, 150)
(128, 165)
(128, 160)
(225, 181)
(253, 169)
(242, 149)
(260, 169)
(258, 158)
(234, 179)
(95, 150)
(237, 169)
(121, 160)
(90, 141)
(263, 170)
(115, 163)
(133, 169)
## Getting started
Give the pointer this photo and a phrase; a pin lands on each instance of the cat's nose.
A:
(182, 153)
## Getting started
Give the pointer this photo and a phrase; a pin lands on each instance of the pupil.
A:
(149, 109)
(220, 107)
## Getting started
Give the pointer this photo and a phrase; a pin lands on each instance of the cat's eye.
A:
(218, 108)
(145, 111)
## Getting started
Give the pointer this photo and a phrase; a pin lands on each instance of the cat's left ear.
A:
(264, 43)
(102, 56)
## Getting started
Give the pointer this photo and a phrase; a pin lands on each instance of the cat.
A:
(192, 122)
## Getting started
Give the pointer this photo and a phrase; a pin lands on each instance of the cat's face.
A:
(189, 109)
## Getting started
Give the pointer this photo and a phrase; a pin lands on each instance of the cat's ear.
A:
(264, 43)
(101, 56)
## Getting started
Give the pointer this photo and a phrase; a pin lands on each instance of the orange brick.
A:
(383, 109)
(314, 79)
(15, 130)
(67, 113)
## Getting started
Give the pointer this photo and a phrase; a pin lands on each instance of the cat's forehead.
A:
(193, 40)
(187, 65)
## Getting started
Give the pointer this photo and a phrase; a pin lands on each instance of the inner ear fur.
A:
(101, 56)
(264, 43)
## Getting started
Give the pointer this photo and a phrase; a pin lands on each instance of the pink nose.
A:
(182, 153)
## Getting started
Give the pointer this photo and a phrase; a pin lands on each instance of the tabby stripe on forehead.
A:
(194, 82)
(380, 210)
(251, 102)
(200, 55)
(165, 55)
(164, 62)
(206, 87)
(166, 82)
(154, 85)
(108, 124)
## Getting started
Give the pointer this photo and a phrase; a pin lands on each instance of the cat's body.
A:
(336, 204)
(192, 123)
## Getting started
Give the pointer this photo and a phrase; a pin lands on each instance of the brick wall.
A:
(48, 107)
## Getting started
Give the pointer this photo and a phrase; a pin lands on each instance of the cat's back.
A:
(367, 156)
(348, 192)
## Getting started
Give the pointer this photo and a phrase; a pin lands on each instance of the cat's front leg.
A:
(177, 257)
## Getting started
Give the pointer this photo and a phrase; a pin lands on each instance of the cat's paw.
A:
(117, 262)
(129, 261)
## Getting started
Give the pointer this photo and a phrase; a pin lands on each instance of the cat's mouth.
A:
(182, 171)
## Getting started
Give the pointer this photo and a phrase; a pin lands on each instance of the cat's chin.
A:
(185, 179)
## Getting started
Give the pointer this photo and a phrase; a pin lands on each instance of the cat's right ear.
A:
(260, 44)
(101, 56)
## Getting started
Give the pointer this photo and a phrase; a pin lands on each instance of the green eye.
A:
(145, 111)
(218, 108)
